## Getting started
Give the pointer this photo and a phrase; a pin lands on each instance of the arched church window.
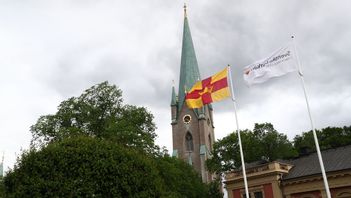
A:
(210, 141)
(189, 142)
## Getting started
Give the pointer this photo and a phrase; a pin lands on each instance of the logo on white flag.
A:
(279, 63)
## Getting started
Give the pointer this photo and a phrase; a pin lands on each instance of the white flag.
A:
(279, 63)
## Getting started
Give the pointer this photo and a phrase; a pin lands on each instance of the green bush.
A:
(84, 167)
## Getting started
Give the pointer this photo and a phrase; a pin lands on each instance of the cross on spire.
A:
(185, 10)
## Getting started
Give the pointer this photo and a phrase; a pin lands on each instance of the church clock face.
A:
(187, 119)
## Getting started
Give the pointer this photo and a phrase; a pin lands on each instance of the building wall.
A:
(312, 194)
(313, 186)
(268, 179)
(265, 179)
(179, 132)
(200, 129)
(343, 192)
(265, 189)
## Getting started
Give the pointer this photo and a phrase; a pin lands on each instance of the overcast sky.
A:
(51, 50)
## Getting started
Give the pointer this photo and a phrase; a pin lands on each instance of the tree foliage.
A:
(92, 167)
(83, 167)
(274, 145)
(180, 179)
(98, 112)
(329, 137)
(264, 142)
(96, 146)
(214, 189)
(2, 190)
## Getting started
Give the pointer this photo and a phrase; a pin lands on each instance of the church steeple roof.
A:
(174, 97)
(189, 70)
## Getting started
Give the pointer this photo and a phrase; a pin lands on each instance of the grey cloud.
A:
(68, 46)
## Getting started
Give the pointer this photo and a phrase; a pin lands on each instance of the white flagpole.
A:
(326, 185)
(238, 131)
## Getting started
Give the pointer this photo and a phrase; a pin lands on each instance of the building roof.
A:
(254, 164)
(174, 97)
(189, 70)
(333, 159)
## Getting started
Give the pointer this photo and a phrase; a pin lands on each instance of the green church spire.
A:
(189, 70)
(174, 97)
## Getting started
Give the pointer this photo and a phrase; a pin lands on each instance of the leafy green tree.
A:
(226, 155)
(180, 178)
(214, 189)
(274, 145)
(2, 190)
(329, 137)
(84, 167)
(264, 142)
(99, 112)
(305, 143)
(95, 146)
(92, 167)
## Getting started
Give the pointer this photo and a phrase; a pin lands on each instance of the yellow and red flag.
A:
(212, 89)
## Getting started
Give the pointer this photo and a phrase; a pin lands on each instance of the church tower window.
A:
(189, 142)
(210, 142)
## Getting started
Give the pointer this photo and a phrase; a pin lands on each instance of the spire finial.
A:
(184, 10)
(173, 83)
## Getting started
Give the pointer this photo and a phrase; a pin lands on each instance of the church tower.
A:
(192, 129)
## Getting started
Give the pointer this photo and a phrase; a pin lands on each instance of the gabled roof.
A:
(333, 159)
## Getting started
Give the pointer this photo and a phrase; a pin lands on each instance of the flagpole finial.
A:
(185, 15)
